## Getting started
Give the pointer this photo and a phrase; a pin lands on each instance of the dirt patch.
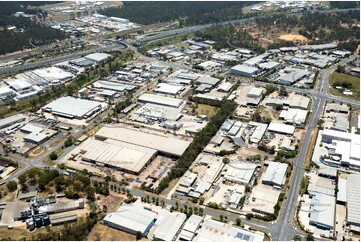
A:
(170, 187)
(36, 152)
(105, 233)
(20, 233)
(293, 37)
(312, 147)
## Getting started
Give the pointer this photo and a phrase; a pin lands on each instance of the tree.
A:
(12, 186)
(238, 221)
(225, 160)
(283, 91)
(138, 235)
(310, 237)
(201, 200)
(249, 216)
(53, 156)
(221, 217)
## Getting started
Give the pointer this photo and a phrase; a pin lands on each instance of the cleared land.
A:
(293, 37)
(22, 233)
(340, 78)
(105, 233)
(208, 110)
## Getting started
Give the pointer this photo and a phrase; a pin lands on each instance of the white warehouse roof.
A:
(97, 57)
(168, 225)
(281, 128)
(162, 100)
(64, 106)
(353, 198)
(130, 217)
(168, 145)
(240, 173)
(275, 174)
(168, 88)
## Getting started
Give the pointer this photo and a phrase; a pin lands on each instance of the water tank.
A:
(38, 222)
(46, 220)
(31, 225)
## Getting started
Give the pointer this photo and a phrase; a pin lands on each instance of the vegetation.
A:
(231, 34)
(347, 82)
(187, 13)
(53, 156)
(69, 141)
(199, 142)
(304, 185)
(12, 186)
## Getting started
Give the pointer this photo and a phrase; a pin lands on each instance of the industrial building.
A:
(65, 107)
(240, 173)
(118, 155)
(275, 174)
(244, 70)
(322, 210)
(98, 57)
(187, 179)
(258, 132)
(6, 122)
(263, 199)
(190, 228)
(293, 75)
(353, 202)
(161, 100)
(300, 102)
(164, 145)
(168, 224)
(255, 92)
(281, 128)
(208, 80)
(130, 219)
(169, 88)
(213, 230)
(114, 86)
(270, 65)
(62, 207)
(294, 116)
(159, 112)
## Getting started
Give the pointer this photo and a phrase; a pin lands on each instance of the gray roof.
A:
(342, 190)
(208, 80)
(11, 120)
(294, 75)
(245, 69)
(353, 198)
(275, 173)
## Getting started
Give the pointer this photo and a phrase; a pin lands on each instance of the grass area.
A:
(169, 41)
(338, 79)
(208, 110)
(20, 233)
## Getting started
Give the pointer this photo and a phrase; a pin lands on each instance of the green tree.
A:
(12, 186)
(53, 156)
(238, 221)
(225, 160)
(138, 235)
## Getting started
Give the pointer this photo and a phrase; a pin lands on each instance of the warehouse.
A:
(82, 62)
(225, 87)
(169, 88)
(187, 179)
(341, 191)
(256, 60)
(190, 228)
(119, 87)
(161, 100)
(353, 202)
(118, 155)
(213, 230)
(19, 85)
(300, 102)
(98, 57)
(5, 92)
(263, 199)
(65, 107)
(322, 210)
(240, 173)
(31, 128)
(293, 75)
(165, 145)
(294, 116)
(336, 108)
(244, 70)
(36, 138)
(271, 65)
(62, 207)
(6, 122)
(168, 225)
(281, 128)
(275, 174)
(159, 112)
(52, 74)
(130, 219)
(255, 92)
(259, 130)
(212, 81)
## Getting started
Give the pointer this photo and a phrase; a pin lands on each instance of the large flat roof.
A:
(168, 88)
(119, 87)
(168, 225)
(135, 218)
(97, 57)
(239, 172)
(281, 128)
(353, 198)
(245, 69)
(159, 99)
(168, 145)
(72, 107)
(275, 173)
(118, 154)
(12, 119)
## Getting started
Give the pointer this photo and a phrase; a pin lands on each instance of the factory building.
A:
(300, 102)
(166, 88)
(65, 107)
(294, 116)
(293, 75)
(159, 112)
(190, 228)
(62, 207)
(6, 92)
(114, 86)
(240, 173)
(244, 70)
(275, 174)
(353, 202)
(255, 92)
(213, 230)
(281, 128)
(6, 122)
(259, 130)
(161, 100)
(164, 145)
(130, 219)
(271, 65)
(168, 225)
(322, 210)
(98, 57)
(264, 199)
